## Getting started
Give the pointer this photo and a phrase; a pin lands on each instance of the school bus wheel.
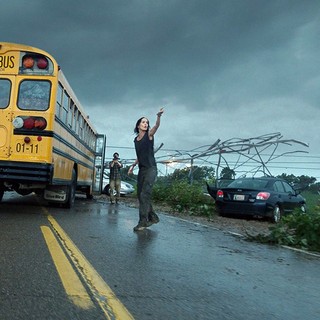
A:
(89, 193)
(71, 191)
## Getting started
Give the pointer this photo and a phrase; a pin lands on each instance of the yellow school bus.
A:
(47, 143)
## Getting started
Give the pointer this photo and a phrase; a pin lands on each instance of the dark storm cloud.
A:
(175, 49)
(220, 67)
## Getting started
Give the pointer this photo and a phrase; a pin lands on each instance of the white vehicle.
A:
(126, 188)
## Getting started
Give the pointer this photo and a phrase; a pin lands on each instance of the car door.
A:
(290, 198)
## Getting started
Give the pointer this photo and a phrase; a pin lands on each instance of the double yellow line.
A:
(68, 258)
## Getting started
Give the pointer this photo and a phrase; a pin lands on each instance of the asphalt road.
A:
(87, 263)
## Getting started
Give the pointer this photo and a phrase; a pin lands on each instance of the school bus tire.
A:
(24, 192)
(89, 193)
(71, 193)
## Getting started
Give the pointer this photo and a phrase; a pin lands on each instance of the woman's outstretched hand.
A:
(159, 114)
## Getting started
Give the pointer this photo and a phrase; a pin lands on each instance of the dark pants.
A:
(146, 179)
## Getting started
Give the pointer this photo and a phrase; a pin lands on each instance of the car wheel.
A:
(1, 194)
(106, 190)
(276, 214)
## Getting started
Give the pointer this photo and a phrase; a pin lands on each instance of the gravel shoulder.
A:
(242, 226)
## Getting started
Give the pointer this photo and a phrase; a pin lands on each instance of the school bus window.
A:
(58, 109)
(86, 133)
(5, 87)
(89, 138)
(75, 118)
(92, 140)
(70, 113)
(81, 126)
(34, 95)
(64, 115)
(59, 101)
(78, 123)
(65, 107)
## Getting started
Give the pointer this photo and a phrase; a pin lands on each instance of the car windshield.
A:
(255, 184)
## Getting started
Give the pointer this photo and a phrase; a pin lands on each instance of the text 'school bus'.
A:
(47, 143)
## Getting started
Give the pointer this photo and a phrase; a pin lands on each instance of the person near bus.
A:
(144, 146)
(115, 178)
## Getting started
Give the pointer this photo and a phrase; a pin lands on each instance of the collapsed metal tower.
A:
(249, 149)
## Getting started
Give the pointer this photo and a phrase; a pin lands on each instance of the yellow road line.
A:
(105, 297)
(71, 282)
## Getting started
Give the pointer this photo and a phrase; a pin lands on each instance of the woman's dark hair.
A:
(136, 129)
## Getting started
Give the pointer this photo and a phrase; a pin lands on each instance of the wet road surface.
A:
(173, 270)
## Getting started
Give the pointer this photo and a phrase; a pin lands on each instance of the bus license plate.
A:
(27, 148)
(238, 197)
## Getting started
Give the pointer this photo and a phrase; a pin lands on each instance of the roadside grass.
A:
(184, 198)
(312, 200)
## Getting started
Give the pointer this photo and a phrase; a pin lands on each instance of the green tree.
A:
(292, 179)
(301, 182)
(227, 173)
(179, 174)
(199, 174)
(315, 188)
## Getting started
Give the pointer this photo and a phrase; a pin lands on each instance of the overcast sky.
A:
(222, 69)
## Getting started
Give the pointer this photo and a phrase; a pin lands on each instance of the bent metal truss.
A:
(260, 151)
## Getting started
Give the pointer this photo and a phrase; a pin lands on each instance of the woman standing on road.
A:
(144, 143)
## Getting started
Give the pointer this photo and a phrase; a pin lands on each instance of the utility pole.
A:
(191, 172)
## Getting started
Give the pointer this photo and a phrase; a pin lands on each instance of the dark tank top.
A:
(145, 152)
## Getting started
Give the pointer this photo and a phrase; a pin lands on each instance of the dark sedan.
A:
(259, 197)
